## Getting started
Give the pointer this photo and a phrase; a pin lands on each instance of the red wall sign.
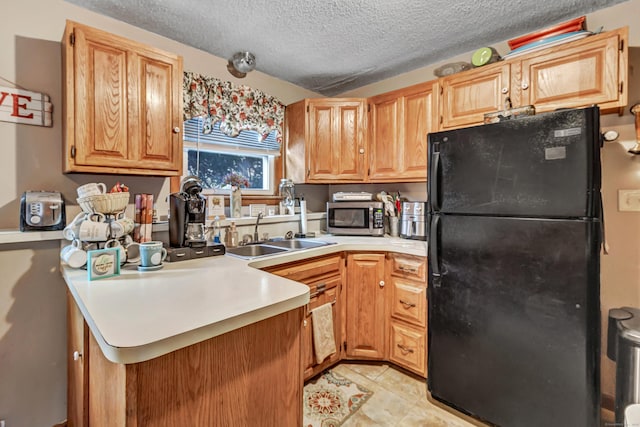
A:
(23, 106)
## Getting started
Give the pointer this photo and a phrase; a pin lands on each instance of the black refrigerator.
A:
(514, 270)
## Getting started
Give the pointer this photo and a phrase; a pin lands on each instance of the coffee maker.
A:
(187, 214)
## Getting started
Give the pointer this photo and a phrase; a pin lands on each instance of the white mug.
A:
(70, 232)
(91, 231)
(73, 255)
(133, 251)
(91, 189)
(122, 252)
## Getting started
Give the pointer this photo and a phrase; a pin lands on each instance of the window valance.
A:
(236, 107)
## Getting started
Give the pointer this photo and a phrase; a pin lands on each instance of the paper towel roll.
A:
(303, 216)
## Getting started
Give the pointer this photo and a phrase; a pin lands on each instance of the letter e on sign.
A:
(23, 106)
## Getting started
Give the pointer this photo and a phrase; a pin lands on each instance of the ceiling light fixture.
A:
(241, 63)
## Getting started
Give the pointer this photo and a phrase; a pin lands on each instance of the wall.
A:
(32, 293)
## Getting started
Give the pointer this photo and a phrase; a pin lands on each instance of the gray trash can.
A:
(623, 347)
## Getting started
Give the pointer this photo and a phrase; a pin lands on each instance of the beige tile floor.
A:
(400, 399)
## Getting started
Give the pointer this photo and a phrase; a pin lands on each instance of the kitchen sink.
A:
(273, 247)
(296, 244)
(253, 251)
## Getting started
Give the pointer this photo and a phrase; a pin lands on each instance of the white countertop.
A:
(141, 315)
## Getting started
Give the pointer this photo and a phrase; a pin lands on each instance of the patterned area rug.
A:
(331, 399)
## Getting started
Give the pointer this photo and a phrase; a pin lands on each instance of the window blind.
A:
(247, 140)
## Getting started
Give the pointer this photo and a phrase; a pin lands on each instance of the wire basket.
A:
(110, 203)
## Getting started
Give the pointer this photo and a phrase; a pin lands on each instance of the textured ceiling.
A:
(331, 46)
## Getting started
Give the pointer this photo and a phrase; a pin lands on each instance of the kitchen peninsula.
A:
(201, 341)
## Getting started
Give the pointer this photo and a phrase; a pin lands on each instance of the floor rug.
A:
(330, 399)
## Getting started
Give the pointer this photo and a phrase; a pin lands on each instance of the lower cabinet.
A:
(365, 323)
(248, 375)
(379, 307)
(323, 275)
(408, 312)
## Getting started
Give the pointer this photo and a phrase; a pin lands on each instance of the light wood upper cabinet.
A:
(467, 96)
(123, 105)
(589, 71)
(365, 306)
(326, 140)
(399, 122)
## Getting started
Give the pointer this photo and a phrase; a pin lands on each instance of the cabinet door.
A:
(336, 141)
(155, 128)
(568, 77)
(331, 295)
(418, 120)
(467, 96)
(385, 138)
(102, 107)
(123, 105)
(365, 297)
(77, 366)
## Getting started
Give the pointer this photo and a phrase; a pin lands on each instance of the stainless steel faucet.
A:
(256, 237)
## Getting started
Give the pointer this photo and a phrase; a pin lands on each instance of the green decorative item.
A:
(484, 56)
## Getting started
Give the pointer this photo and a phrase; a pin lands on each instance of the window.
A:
(213, 156)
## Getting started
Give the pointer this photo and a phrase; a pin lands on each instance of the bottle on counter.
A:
(216, 230)
(231, 237)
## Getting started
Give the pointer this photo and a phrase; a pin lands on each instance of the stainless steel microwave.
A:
(365, 218)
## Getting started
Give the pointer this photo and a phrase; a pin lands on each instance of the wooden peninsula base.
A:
(251, 376)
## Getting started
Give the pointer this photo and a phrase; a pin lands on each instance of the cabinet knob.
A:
(176, 129)
(361, 151)
(381, 283)
(77, 355)
(505, 90)
(525, 86)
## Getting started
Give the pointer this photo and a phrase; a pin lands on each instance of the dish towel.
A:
(323, 338)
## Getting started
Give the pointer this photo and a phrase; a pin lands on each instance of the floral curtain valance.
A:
(236, 107)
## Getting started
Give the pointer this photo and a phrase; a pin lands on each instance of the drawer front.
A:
(305, 271)
(409, 302)
(408, 347)
(409, 266)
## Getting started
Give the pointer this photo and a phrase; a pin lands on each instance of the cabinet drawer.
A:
(408, 347)
(409, 302)
(408, 266)
(308, 269)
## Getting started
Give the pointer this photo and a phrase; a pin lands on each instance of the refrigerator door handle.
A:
(434, 198)
(434, 255)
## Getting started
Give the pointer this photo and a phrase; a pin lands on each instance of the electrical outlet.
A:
(628, 201)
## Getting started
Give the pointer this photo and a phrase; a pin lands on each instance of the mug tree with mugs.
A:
(101, 224)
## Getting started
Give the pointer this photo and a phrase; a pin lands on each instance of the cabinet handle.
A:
(408, 269)
(381, 283)
(525, 86)
(176, 129)
(361, 151)
(404, 349)
(77, 355)
(305, 323)
(505, 90)
(407, 304)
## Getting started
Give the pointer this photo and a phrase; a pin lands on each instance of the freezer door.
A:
(514, 323)
(542, 166)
